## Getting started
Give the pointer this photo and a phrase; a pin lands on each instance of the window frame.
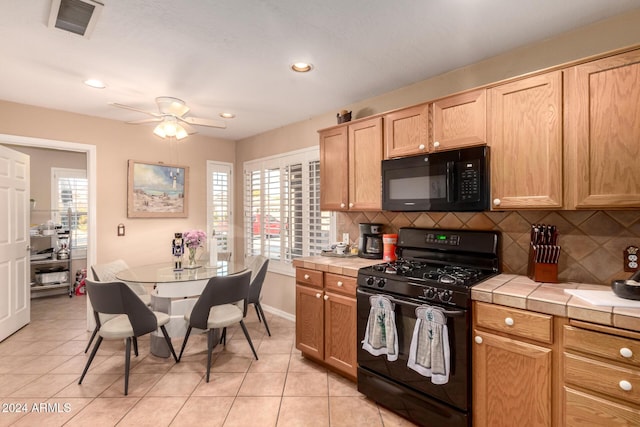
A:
(284, 264)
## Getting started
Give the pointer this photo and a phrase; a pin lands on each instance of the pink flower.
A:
(194, 239)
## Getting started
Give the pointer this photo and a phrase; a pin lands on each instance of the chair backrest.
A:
(259, 268)
(119, 298)
(107, 273)
(218, 291)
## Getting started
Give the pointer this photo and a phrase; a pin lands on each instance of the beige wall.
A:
(615, 33)
(146, 240)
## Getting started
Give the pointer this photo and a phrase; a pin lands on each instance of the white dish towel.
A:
(381, 335)
(429, 353)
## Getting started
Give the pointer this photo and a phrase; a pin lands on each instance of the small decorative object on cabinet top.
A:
(193, 239)
(344, 116)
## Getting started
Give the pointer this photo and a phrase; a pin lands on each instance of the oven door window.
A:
(456, 391)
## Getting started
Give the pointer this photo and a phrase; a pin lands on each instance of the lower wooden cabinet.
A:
(326, 319)
(601, 376)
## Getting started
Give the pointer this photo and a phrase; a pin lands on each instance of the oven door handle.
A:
(448, 313)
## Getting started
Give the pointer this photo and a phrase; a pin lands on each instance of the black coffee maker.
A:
(370, 244)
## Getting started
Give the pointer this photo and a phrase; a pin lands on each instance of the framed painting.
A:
(157, 190)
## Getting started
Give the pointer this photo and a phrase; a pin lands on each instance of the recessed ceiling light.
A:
(301, 67)
(227, 115)
(98, 84)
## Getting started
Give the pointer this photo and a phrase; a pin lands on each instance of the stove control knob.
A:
(381, 283)
(446, 296)
(370, 281)
(430, 293)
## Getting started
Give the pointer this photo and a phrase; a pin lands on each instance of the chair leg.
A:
(264, 319)
(223, 336)
(246, 334)
(210, 335)
(257, 312)
(184, 343)
(93, 335)
(135, 345)
(93, 354)
(127, 363)
(168, 340)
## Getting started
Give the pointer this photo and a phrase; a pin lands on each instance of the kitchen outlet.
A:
(630, 255)
(345, 238)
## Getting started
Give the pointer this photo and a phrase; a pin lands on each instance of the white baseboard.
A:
(278, 312)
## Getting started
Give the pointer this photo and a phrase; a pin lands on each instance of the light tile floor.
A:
(40, 366)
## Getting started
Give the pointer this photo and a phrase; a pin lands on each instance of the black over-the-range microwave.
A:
(456, 180)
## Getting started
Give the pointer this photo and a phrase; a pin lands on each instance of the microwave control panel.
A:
(469, 180)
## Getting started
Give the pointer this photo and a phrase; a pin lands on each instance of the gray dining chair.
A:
(133, 319)
(215, 308)
(107, 273)
(258, 266)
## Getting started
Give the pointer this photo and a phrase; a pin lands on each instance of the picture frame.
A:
(157, 190)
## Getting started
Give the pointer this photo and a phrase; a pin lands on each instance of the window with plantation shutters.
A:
(70, 204)
(283, 220)
(219, 203)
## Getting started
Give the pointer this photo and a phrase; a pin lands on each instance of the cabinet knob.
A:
(350, 205)
(508, 321)
(436, 144)
(626, 352)
(318, 295)
(326, 297)
(421, 147)
(306, 277)
(342, 205)
(625, 385)
(496, 202)
(340, 283)
(478, 339)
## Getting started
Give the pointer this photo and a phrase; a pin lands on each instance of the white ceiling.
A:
(235, 55)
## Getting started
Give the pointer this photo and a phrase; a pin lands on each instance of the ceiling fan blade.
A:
(204, 122)
(173, 106)
(126, 107)
(143, 121)
(190, 129)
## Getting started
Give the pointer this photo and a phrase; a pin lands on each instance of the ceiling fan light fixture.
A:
(301, 67)
(170, 129)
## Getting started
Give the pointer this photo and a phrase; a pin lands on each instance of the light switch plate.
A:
(345, 238)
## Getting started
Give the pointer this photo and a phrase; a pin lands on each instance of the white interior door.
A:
(15, 292)
(219, 203)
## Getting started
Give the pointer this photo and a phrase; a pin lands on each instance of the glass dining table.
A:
(175, 292)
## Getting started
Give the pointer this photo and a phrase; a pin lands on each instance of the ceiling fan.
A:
(171, 118)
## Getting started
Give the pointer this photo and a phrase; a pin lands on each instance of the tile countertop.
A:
(549, 298)
(347, 266)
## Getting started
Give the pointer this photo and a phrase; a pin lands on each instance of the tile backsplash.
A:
(592, 241)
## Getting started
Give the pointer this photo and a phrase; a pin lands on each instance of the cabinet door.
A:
(405, 132)
(309, 321)
(603, 132)
(334, 167)
(365, 157)
(340, 332)
(460, 121)
(511, 382)
(525, 135)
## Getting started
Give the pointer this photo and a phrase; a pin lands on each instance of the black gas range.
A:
(435, 269)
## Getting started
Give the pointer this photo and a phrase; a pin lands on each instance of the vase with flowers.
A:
(193, 239)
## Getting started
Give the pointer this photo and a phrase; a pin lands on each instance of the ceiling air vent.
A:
(76, 16)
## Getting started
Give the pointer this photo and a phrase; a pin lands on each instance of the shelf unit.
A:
(50, 275)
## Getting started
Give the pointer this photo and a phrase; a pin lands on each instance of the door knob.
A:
(478, 339)
(318, 295)
(421, 147)
(436, 144)
(326, 297)
(306, 277)
(496, 202)
(626, 352)
(508, 321)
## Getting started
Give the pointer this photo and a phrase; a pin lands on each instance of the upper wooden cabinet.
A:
(602, 133)
(334, 172)
(365, 157)
(459, 121)
(406, 132)
(350, 173)
(525, 135)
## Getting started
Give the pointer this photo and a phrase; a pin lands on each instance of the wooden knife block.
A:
(541, 271)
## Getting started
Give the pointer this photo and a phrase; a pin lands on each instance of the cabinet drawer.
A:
(516, 322)
(604, 378)
(309, 277)
(585, 410)
(611, 347)
(343, 284)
